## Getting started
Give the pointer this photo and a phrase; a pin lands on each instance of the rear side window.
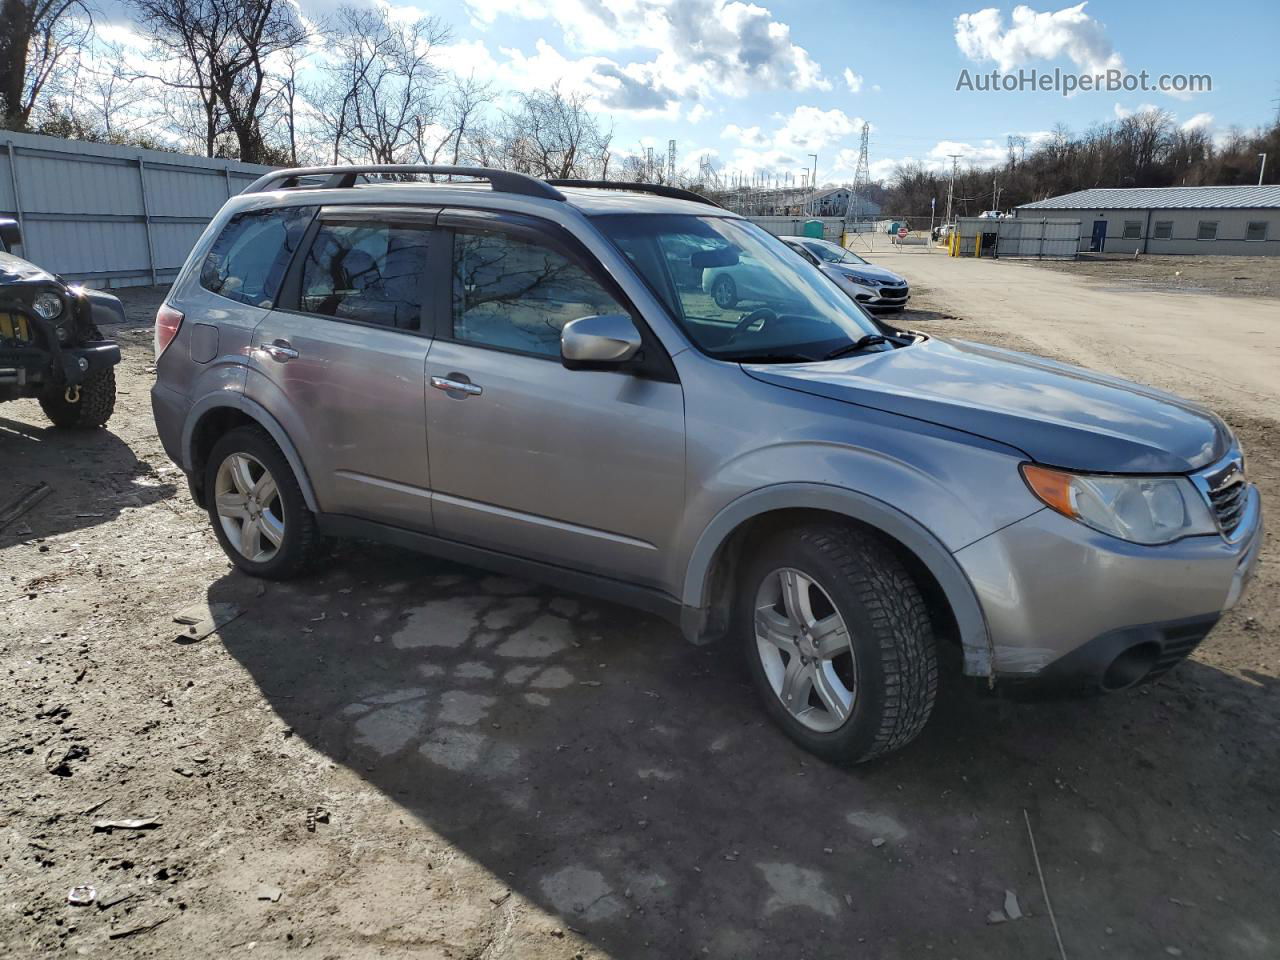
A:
(368, 272)
(249, 258)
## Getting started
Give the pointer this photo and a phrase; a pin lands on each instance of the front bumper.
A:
(1069, 608)
(42, 358)
(880, 300)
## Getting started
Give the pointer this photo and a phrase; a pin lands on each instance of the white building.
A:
(1175, 220)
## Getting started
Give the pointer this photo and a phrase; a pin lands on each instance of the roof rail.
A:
(502, 181)
(661, 189)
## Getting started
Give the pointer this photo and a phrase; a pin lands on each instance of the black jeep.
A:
(50, 344)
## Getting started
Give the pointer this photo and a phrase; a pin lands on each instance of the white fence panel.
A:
(832, 227)
(110, 215)
(1019, 238)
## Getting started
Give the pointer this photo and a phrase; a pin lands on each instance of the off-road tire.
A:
(729, 299)
(888, 622)
(303, 544)
(96, 403)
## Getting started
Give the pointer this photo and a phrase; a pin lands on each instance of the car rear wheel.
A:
(725, 293)
(838, 641)
(256, 505)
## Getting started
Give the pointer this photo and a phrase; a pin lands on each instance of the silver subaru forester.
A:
(529, 376)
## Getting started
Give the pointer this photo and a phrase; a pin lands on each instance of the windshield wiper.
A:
(870, 340)
(768, 358)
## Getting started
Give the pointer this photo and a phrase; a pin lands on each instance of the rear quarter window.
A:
(249, 258)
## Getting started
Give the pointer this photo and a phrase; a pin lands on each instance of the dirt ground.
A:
(1223, 276)
(405, 758)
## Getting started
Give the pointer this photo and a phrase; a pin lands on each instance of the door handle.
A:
(280, 350)
(457, 386)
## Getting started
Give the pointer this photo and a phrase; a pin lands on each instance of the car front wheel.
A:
(256, 505)
(725, 293)
(838, 641)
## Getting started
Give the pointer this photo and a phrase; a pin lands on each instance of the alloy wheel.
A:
(805, 649)
(248, 506)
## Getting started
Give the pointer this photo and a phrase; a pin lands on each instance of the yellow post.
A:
(977, 244)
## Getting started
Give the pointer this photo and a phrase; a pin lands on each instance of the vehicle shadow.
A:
(606, 770)
(93, 475)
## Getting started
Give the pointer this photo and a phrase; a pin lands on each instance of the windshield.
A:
(831, 252)
(737, 291)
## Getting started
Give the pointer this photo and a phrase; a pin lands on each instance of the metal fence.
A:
(1041, 239)
(832, 227)
(109, 215)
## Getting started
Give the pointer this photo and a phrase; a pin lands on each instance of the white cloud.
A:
(697, 114)
(852, 80)
(1069, 33)
(697, 45)
(1121, 111)
(1201, 121)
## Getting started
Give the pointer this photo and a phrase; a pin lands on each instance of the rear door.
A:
(579, 468)
(340, 362)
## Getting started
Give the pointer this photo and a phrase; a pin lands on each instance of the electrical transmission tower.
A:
(671, 161)
(861, 177)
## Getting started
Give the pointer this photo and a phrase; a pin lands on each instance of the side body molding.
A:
(238, 401)
(875, 513)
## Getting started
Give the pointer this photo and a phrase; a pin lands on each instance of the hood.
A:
(866, 270)
(16, 270)
(1057, 414)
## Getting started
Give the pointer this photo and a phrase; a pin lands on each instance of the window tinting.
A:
(1132, 229)
(1208, 230)
(515, 294)
(1163, 230)
(372, 273)
(249, 258)
(1257, 230)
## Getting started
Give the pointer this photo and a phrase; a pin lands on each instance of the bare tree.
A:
(37, 38)
(552, 134)
(221, 49)
(378, 100)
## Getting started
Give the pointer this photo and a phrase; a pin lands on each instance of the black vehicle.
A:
(51, 347)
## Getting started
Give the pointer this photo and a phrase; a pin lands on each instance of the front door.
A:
(1099, 239)
(340, 362)
(579, 468)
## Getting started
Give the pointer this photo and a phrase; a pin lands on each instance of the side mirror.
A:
(598, 343)
(10, 233)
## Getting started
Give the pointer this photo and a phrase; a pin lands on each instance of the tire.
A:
(96, 403)
(725, 293)
(280, 513)
(886, 659)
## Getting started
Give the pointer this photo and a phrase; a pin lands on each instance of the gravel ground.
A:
(404, 758)
(1221, 276)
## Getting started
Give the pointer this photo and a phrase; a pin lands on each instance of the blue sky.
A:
(760, 85)
(904, 58)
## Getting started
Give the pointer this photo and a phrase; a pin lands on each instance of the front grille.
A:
(1229, 501)
(893, 293)
(1177, 644)
(14, 328)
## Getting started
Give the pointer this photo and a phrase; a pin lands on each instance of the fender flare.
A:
(258, 413)
(955, 585)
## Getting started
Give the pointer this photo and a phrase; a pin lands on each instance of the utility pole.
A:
(815, 183)
(951, 185)
(1263, 169)
(995, 191)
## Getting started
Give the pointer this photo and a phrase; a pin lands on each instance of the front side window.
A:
(1163, 230)
(737, 292)
(518, 294)
(367, 272)
(1208, 230)
(249, 258)
(1132, 229)
(1257, 230)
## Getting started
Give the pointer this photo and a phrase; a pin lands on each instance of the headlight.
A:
(48, 305)
(853, 278)
(1146, 510)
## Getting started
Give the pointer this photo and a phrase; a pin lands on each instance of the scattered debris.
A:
(268, 892)
(202, 619)
(877, 841)
(22, 503)
(316, 815)
(145, 928)
(996, 916)
(57, 761)
(1044, 889)
(106, 826)
(96, 807)
(1011, 907)
(82, 895)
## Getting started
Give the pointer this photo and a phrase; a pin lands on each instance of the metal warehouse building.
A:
(1176, 220)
